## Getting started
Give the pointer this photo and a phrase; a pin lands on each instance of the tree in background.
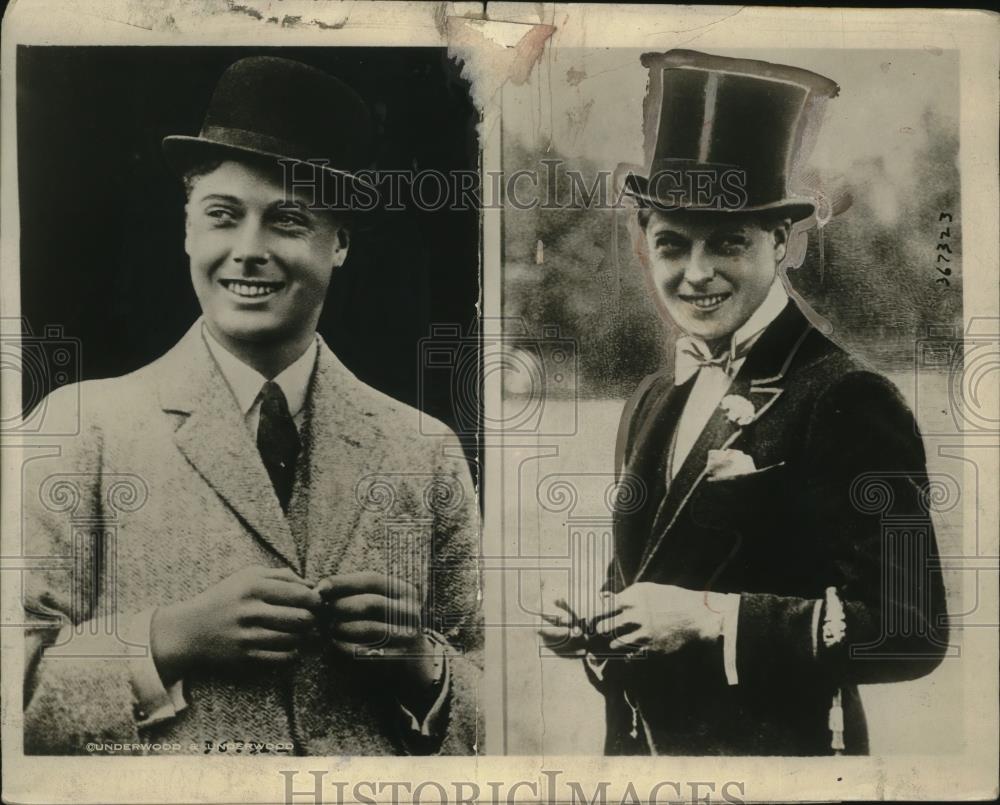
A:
(870, 271)
(876, 279)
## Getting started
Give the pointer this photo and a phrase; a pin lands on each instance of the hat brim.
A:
(183, 153)
(794, 208)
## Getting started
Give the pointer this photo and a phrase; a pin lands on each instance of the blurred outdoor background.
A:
(887, 161)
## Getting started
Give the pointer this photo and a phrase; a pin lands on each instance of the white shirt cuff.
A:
(154, 702)
(729, 605)
(817, 606)
(430, 725)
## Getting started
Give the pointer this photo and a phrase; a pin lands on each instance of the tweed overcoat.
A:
(838, 499)
(161, 493)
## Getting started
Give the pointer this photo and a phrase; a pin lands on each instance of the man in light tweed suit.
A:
(267, 557)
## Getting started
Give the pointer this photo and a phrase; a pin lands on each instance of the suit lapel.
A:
(212, 435)
(718, 433)
(344, 447)
(759, 380)
(645, 463)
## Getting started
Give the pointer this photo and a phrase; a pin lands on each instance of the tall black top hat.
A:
(266, 108)
(728, 133)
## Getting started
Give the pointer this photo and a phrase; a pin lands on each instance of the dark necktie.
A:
(278, 441)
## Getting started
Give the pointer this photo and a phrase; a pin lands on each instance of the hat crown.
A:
(269, 107)
(316, 115)
(711, 118)
(731, 120)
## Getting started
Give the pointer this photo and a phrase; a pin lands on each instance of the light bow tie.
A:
(692, 355)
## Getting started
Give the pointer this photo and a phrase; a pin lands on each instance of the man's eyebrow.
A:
(221, 197)
(289, 204)
(730, 229)
(666, 229)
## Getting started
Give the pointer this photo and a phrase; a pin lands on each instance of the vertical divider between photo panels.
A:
(494, 527)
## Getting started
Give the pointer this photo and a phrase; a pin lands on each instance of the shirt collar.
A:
(766, 312)
(246, 382)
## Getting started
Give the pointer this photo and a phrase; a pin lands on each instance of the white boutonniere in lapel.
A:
(738, 410)
(728, 463)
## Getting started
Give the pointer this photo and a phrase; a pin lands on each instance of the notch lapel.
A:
(760, 380)
(345, 445)
(213, 436)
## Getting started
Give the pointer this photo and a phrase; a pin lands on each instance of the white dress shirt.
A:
(155, 701)
(710, 386)
(246, 382)
(713, 382)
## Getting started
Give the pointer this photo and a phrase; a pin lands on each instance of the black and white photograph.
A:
(498, 403)
(747, 583)
(743, 508)
(277, 556)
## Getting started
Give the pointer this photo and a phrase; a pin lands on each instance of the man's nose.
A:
(251, 246)
(698, 269)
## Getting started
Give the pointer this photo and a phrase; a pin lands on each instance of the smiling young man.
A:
(711, 273)
(753, 585)
(253, 584)
(260, 261)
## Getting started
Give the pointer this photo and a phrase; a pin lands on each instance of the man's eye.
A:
(731, 243)
(220, 214)
(290, 219)
(669, 245)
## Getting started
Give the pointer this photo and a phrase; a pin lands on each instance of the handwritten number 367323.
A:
(944, 248)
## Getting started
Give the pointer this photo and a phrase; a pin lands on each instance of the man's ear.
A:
(187, 231)
(342, 244)
(781, 231)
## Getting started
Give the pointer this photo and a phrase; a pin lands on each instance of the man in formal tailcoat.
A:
(248, 550)
(755, 584)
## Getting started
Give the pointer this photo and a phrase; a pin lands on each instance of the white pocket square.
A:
(728, 464)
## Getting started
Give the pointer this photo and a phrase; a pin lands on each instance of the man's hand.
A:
(658, 618)
(372, 614)
(564, 635)
(258, 614)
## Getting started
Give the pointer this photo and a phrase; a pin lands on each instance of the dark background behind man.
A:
(102, 218)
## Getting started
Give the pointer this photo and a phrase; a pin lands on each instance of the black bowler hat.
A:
(728, 133)
(266, 108)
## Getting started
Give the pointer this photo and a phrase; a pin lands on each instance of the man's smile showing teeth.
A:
(705, 301)
(251, 289)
